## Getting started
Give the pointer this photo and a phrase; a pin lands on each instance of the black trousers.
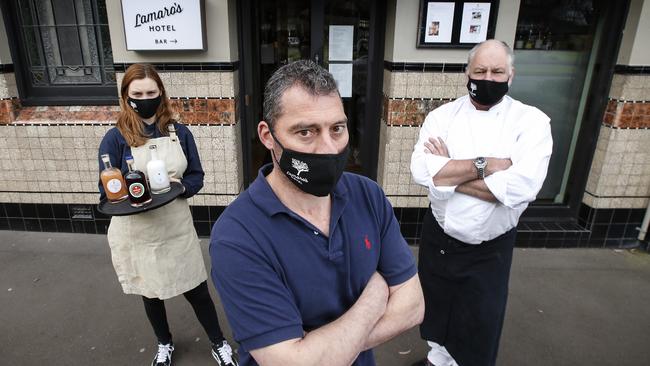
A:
(465, 292)
(199, 298)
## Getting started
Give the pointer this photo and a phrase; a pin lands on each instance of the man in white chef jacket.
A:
(483, 158)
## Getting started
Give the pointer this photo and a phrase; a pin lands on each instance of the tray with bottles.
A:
(124, 207)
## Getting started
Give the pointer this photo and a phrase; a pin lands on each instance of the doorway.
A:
(340, 36)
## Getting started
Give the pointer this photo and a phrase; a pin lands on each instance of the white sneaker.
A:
(222, 353)
(164, 355)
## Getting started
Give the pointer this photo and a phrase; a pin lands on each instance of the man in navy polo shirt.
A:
(309, 261)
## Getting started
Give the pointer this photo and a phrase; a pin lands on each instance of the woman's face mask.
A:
(145, 108)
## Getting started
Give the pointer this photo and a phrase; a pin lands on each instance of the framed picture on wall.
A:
(455, 24)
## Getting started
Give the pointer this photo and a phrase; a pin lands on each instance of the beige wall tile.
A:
(76, 167)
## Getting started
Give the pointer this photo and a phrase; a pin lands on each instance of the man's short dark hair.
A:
(304, 73)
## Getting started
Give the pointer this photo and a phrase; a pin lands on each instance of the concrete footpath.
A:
(61, 304)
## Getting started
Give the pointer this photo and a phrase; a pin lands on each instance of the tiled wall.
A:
(410, 93)
(596, 228)
(620, 171)
(57, 163)
(81, 218)
(8, 87)
(51, 151)
(610, 227)
(9, 104)
(192, 84)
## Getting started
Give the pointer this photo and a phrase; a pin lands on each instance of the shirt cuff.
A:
(272, 337)
(497, 183)
(434, 164)
(401, 277)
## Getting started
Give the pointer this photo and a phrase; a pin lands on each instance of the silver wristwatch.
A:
(480, 164)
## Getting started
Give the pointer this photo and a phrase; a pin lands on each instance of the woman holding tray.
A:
(156, 253)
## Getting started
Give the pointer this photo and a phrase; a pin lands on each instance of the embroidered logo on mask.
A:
(133, 105)
(472, 88)
(300, 166)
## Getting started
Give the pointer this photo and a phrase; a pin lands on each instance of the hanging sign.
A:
(164, 25)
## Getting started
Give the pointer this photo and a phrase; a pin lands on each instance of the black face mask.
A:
(487, 92)
(145, 108)
(316, 174)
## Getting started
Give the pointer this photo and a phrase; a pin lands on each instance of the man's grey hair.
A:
(509, 53)
(304, 73)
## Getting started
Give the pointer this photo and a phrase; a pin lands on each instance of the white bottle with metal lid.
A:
(157, 173)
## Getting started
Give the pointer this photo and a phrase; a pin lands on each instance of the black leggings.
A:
(199, 298)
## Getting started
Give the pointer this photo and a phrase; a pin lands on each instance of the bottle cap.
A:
(105, 157)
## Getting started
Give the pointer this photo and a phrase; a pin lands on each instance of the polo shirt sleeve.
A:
(260, 308)
(396, 262)
(425, 166)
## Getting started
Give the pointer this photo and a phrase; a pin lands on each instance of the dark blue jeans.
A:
(465, 292)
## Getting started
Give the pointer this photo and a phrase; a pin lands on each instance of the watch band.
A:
(480, 163)
(480, 172)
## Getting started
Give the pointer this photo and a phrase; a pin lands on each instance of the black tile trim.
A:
(595, 227)
(57, 218)
(423, 67)
(625, 128)
(6, 68)
(192, 98)
(185, 66)
(598, 196)
(632, 70)
(112, 123)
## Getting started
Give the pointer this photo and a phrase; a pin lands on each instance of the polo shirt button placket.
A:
(315, 232)
(442, 251)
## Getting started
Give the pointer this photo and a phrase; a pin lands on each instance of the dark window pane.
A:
(26, 16)
(32, 45)
(65, 46)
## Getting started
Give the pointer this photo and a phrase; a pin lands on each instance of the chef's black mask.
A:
(486, 92)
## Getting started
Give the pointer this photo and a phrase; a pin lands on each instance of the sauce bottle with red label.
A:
(138, 188)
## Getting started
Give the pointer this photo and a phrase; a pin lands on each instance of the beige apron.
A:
(157, 253)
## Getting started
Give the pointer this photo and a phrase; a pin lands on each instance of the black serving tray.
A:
(124, 208)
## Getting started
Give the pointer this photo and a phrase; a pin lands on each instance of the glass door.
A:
(345, 53)
(554, 60)
(333, 33)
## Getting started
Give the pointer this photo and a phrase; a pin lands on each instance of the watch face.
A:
(480, 162)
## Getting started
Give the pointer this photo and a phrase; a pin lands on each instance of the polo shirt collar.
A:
(263, 196)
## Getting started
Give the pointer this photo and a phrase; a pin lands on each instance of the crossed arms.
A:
(462, 173)
(380, 313)
(511, 181)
